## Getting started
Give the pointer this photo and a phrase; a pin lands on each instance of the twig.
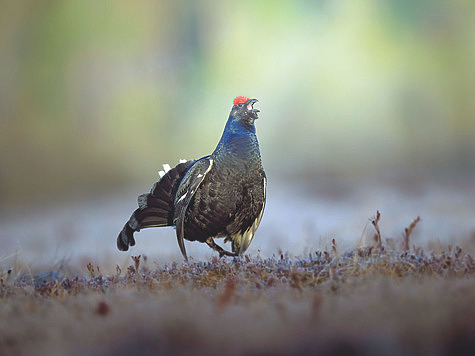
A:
(136, 260)
(408, 231)
(377, 235)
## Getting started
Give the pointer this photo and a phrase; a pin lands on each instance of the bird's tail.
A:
(155, 208)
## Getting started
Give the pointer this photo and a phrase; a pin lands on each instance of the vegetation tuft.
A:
(368, 299)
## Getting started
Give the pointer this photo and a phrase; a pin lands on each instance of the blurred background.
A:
(365, 105)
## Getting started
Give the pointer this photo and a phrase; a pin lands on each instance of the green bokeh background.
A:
(96, 95)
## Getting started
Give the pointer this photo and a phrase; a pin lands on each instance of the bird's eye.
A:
(240, 105)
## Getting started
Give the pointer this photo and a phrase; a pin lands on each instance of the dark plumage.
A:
(220, 195)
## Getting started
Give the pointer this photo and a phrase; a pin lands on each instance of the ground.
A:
(316, 283)
(369, 300)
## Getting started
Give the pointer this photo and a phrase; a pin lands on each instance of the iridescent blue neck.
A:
(237, 136)
(239, 126)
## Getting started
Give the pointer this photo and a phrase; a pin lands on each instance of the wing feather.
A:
(242, 240)
(186, 190)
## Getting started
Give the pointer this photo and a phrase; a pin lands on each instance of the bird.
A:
(219, 195)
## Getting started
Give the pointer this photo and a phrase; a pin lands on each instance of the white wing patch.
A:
(265, 189)
(206, 172)
(166, 167)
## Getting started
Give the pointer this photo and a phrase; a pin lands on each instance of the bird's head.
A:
(243, 110)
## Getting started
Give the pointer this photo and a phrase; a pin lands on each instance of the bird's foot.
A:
(222, 252)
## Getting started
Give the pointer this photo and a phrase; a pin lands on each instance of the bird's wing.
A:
(187, 188)
(242, 240)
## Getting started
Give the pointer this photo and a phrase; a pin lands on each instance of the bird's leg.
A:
(218, 248)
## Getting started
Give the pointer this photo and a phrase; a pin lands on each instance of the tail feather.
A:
(126, 238)
(155, 208)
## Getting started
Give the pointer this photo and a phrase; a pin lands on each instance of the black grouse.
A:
(220, 195)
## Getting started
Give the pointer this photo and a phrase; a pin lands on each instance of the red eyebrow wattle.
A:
(240, 100)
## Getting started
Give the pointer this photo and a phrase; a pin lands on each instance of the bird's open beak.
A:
(250, 105)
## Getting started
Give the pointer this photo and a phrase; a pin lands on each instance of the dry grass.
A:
(378, 300)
